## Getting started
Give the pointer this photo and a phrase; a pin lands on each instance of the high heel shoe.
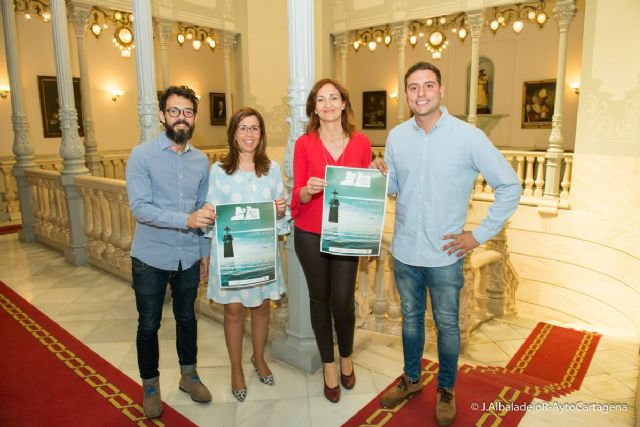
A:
(348, 381)
(332, 394)
(240, 393)
(264, 379)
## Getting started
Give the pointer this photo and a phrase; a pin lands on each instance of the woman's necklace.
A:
(248, 175)
(345, 140)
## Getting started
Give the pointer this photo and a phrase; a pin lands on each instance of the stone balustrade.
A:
(530, 168)
(108, 223)
(51, 223)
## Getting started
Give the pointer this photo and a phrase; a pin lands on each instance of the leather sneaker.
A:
(403, 390)
(190, 383)
(445, 407)
(152, 403)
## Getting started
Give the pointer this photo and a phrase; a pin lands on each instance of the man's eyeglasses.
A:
(248, 129)
(175, 112)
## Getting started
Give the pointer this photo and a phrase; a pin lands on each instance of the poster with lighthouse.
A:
(246, 244)
(354, 204)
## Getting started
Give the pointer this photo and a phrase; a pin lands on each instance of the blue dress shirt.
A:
(433, 175)
(164, 188)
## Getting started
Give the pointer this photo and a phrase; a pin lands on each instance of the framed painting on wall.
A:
(374, 109)
(538, 98)
(49, 105)
(218, 106)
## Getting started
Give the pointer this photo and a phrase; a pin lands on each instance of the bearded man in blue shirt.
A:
(432, 161)
(167, 183)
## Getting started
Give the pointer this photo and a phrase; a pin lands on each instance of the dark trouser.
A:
(150, 284)
(331, 280)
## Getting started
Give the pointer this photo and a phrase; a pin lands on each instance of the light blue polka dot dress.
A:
(245, 187)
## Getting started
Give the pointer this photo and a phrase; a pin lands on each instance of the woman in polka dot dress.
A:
(245, 174)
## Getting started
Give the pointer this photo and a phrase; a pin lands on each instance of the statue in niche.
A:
(483, 93)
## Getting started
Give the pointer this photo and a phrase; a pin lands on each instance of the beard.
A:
(179, 136)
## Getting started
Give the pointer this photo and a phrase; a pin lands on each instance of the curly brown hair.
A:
(347, 114)
(230, 162)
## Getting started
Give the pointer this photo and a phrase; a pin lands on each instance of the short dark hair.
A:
(422, 65)
(183, 91)
(230, 162)
(347, 114)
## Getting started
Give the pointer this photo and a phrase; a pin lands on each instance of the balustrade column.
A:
(165, 31)
(71, 149)
(228, 45)
(12, 207)
(146, 71)
(80, 14)
(298, 347)
(21, 146)
(340, 43)
(564, 11)
(474, 21)
(399, 33)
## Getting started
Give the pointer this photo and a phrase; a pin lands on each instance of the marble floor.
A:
(99, 309)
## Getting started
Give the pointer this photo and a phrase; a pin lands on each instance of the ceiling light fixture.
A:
(122, 21)
(372, 37)
(197, 35)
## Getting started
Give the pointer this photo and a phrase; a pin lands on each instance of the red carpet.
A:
(550, 363)
(558, 355)
(8, 229)
(50, 378)
(480, 402)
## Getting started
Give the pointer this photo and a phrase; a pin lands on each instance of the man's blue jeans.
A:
(444, 284)
(150, 284)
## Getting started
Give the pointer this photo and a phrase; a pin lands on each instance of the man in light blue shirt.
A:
(432, 161)
(167, 183)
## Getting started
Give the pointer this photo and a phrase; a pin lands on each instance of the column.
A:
(21, 145)
(165, 31)
(228, 45)
(80, 14)
(564, 11)
(298, 347)
(341, 45)
(71, 149)
(399, 34)
(145, 70)
(474, 21)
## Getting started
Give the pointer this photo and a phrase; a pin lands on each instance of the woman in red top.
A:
(330, 139)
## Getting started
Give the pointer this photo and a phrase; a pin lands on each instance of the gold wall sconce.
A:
(4, 91)
(115, 94)
(576, 87)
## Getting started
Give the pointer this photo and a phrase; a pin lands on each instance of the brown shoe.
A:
(190, 383)
(151, 402)
(445, 407)
(332, 394)
(348, 381)
(403, 390)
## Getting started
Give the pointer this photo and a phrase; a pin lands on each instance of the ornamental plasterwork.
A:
(563, 12)
(614, 120)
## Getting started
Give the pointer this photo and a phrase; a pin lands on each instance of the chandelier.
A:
(371, 38)
(122, 21)
(434, 31)
(33, 7)
(197, 35)
(518, 15)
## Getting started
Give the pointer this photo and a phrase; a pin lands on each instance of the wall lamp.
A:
(4, 91)
(115, 94)
(575, 86)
